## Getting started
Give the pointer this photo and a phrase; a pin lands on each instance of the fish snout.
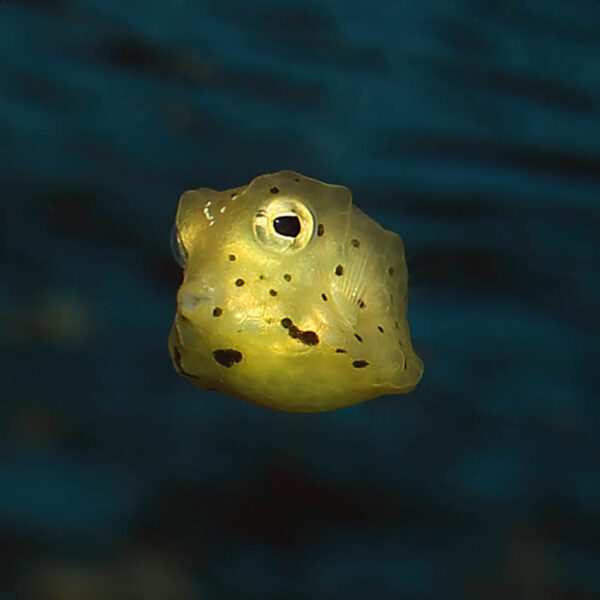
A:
(192, 298)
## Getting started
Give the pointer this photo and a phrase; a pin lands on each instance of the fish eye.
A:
(283, 224)
(177, 248)
(288, 225)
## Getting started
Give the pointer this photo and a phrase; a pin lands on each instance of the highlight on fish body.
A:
(292, 298)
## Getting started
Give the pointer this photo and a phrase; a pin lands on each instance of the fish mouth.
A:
(176, 357)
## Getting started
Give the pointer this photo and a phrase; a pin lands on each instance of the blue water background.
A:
(472, 128)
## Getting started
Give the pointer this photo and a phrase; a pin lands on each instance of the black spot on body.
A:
(239, 282)
(310, 338)
(361, 303)
(340, 351)
(217, 312)
(227, 357)
(324, 296)
(339, 270)
(274, 190)
(273, 292)
(390, 271)
(360, 364)
(320, 229)
(231, 257)
(380, 328)
(355, 243)
(287, 277)
(296, 179)
(358, 337)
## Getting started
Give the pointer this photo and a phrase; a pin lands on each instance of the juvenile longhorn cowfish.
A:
(292, 298)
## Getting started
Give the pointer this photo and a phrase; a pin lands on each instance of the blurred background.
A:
(471, 128)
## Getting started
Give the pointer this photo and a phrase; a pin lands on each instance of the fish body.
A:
(292, 298)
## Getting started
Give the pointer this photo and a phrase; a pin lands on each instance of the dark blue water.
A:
(472, 128)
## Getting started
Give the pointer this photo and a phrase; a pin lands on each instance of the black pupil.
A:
(288, 226)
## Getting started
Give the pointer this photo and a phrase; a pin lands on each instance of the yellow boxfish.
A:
(292, 297)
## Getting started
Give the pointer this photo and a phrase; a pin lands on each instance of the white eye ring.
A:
(279, 208)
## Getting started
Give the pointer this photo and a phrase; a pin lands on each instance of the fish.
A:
(292, 298)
